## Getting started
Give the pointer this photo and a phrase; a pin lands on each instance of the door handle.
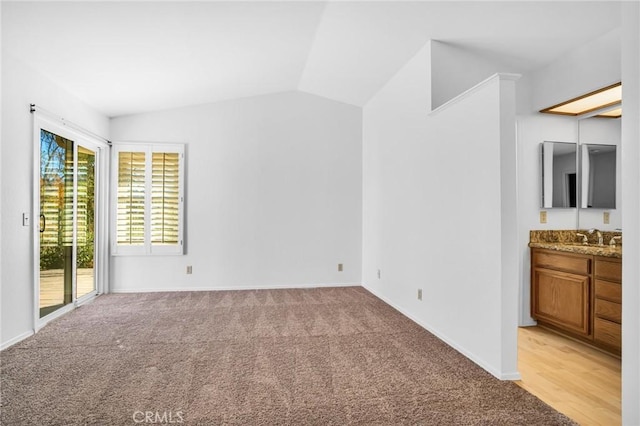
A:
(43, 223)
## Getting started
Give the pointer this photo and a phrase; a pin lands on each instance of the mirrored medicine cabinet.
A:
(582, 175)
(558, 168)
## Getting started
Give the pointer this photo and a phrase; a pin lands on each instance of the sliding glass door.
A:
(86, 226)
(67, 238)
(56, 222)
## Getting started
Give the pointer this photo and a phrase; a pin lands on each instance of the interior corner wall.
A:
(20, 87)
(422, 176)
(455, 69)
(273, 195)
(630, 214)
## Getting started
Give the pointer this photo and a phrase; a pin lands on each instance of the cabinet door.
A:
(561, 299)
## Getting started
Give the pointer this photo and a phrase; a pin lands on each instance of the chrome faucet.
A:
(585, 240)
(612, 242)
(598, 233)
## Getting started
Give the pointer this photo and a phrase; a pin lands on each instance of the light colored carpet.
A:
(298, 357)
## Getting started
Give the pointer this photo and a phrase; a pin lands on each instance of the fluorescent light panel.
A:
(601, 98)
(614, 113)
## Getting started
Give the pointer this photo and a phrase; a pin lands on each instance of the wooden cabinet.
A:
(560, 294)
(607, 328)
(579, 295)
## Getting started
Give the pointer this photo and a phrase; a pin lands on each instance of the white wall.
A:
(273, 194)
(1, 196)
(455, 69)
(575, 73)
(590, 67)
(630, 215)
(422, 176)
(20, 87)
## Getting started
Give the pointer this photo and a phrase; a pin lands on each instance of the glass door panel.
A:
(86, 213)
(56, 222)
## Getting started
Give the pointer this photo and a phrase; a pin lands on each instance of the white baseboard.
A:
(16, 339)
(510, 376)
(225, 288)
(473, 357)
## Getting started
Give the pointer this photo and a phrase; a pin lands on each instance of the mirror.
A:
(598, 176)
(559, 174)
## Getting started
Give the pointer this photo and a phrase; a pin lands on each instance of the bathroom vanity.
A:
(576, 289)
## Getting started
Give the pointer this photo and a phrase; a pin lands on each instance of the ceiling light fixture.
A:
(593, 101)
(614, 113)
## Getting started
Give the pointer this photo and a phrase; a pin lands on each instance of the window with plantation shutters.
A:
(131, 198)
(148, 198)
(165, 193)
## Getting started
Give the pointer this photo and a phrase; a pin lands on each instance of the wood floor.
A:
(580, 382)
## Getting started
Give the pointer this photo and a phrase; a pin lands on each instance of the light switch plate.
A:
(25, 219)
(340, 267)
(605, 218)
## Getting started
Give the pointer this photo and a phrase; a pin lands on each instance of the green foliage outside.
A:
(53, 257)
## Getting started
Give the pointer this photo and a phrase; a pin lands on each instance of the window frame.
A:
(147, 248)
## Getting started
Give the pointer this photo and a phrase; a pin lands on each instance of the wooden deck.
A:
(52, 285)
(575, 379)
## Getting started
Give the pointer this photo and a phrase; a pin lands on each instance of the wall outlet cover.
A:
(605, 218)
(419, 294)
(543, 216)
(340, 268)
(189, 269)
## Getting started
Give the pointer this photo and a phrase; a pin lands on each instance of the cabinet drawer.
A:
(564, 262)
(608, 269)
(609, 291)
(608, 333)
(609, 310)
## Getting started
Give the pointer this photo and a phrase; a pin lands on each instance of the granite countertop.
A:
(605, 250)
(567, 241)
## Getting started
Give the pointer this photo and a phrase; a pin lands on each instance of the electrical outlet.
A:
(189, 269)
(543, 217)
(25, 219)
(378, 273)
(605, 218)
(419, 294)
(340, 267)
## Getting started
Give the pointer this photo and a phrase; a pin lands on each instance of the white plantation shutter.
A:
(50, 210)
(131, 198)
(56, 191)
(67, 196)
(149, 200)
(165, 198)
(82, 203)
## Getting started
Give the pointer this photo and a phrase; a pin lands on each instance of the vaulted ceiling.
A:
(129, 57)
